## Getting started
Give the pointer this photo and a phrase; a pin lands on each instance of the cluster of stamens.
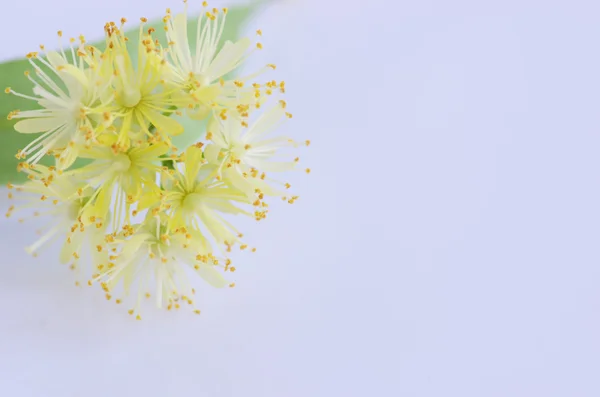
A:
(143, 208)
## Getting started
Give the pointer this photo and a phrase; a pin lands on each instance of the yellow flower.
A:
(152, 257)
(243, 155)
(140, 98)
(118, 178)
(200, 68)
(63, 198)
(194, 199)
(149, 214)
(72, 96)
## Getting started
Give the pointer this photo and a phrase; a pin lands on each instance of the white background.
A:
(446, 243)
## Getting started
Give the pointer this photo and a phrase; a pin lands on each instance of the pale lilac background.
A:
(446, 243)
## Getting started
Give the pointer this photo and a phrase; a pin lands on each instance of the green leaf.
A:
(12, 75)
(193, 131)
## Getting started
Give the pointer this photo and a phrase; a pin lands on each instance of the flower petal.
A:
(228, 58)
(33, 126)
(211, 275)
(163, 123)
(265, 123)
(211, 153)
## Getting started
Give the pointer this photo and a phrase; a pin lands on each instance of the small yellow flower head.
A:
(154, 258)
(194, 199)
(140, 98)
(70, 91)
(119, 179)
(63, 197)
(244, 154)
(200, 68)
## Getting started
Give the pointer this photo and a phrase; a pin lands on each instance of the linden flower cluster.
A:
(149, 214)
